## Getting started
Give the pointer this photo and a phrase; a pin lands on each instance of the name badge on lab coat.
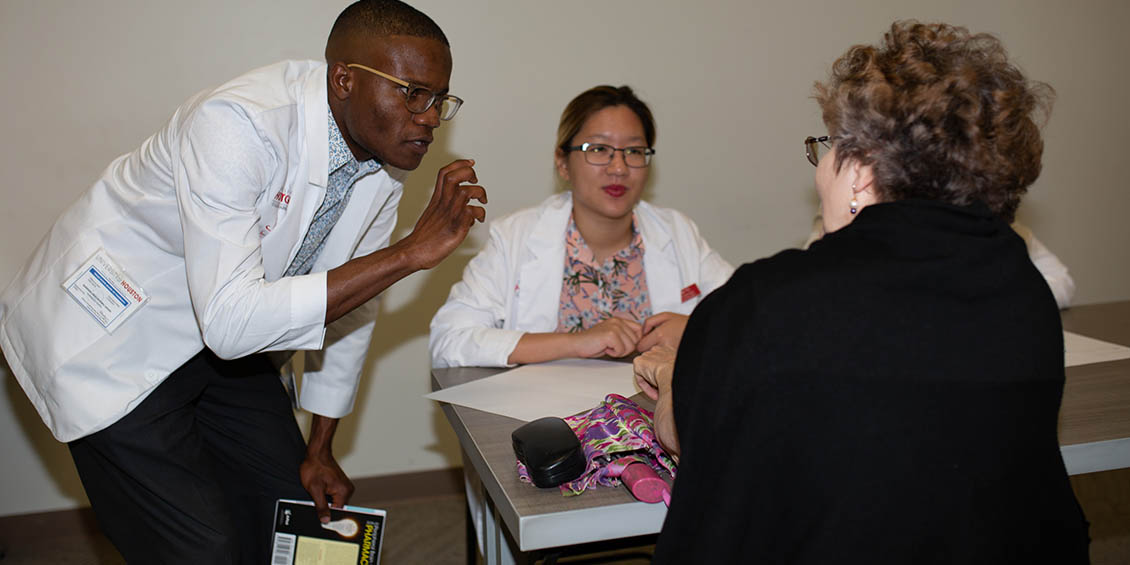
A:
(105, 291)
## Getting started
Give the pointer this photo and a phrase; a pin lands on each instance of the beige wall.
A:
(729, 82)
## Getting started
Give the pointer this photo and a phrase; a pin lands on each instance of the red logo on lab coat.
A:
(690, 292)
(282, 199)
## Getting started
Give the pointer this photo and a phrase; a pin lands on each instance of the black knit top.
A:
(888, 396)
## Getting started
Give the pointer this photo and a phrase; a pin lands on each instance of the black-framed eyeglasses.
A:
(417, 98)
(599, 154)
(813, 149)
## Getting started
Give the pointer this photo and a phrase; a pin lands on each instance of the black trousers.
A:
(191, 475)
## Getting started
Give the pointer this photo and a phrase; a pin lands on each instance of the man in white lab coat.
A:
(258, 219)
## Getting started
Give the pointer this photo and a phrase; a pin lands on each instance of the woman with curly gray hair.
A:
(889, 395)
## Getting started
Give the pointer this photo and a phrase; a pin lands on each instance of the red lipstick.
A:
(615, 190)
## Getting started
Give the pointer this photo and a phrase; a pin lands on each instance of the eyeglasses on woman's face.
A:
(417, 98)
(601, 154)
(814, 147)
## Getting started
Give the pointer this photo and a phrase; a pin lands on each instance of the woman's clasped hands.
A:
(619, 337)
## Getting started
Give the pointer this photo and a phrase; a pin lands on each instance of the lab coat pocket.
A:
(45, 326)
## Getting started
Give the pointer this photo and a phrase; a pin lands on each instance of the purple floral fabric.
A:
(614, 434)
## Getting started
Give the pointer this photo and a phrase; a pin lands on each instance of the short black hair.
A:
(382, 18)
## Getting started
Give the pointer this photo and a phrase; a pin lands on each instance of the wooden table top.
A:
(1096, 397)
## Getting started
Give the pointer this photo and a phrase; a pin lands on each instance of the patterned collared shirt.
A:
(591, 293)
(345, 171)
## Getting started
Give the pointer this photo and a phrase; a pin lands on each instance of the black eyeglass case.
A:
(550, 451)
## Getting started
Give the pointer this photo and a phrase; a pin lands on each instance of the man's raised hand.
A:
(449, 215)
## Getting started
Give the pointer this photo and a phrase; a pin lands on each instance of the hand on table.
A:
(664, 328)
(614, 337)
(654, 371)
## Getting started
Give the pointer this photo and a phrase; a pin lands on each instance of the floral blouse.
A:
(591, 293)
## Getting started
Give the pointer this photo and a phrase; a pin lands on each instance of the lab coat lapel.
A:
(659, 257)
(370, 196)
(540, 279)
(305, 185)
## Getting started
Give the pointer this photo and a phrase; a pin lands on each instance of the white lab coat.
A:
(206, 216)
(513, 286)
(1054, 271)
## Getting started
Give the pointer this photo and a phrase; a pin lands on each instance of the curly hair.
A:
(939, 114)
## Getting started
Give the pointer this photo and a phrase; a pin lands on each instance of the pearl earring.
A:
(854, 204)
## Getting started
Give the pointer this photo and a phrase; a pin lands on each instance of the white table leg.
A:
(499, 550)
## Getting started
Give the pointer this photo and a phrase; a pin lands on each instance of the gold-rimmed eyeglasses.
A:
(417, 98)
(814, 146)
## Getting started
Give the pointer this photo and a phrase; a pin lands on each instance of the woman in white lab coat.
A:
(590, 272)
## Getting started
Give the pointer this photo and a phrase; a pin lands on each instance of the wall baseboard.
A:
(369, 490)
(440, 482)
(40, 525)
